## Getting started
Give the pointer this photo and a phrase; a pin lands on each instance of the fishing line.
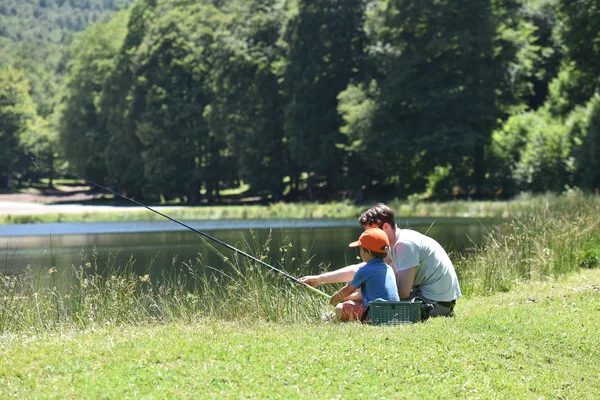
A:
(296, 280)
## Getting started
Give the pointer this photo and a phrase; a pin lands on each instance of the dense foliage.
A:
(35, 40)
(35, 35)
(298, 99)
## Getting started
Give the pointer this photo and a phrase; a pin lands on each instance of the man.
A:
(422, 267)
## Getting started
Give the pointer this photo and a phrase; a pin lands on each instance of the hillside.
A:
(35, 34)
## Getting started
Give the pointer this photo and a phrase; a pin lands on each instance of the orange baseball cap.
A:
(373, 239)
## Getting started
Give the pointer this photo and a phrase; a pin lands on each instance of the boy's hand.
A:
(311, 280)
(342, 294)
(335, 299)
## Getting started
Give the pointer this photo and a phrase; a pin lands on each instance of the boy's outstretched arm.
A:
(341, 275)
(342, 294)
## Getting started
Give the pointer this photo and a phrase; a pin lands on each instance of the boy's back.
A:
(377, 281)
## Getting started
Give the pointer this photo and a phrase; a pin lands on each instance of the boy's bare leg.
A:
(339, 311)
(349, 310)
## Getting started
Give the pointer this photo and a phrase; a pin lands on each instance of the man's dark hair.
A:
(378, 215)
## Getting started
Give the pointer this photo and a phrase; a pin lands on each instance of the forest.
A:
(303, 100)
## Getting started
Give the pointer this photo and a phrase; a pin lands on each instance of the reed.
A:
(555, 235)
(104, 293)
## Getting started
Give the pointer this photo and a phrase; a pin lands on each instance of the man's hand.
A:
(311, 280)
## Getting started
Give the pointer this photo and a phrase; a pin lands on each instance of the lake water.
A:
(159, 245)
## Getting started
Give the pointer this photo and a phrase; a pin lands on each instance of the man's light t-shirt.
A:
(435, 276)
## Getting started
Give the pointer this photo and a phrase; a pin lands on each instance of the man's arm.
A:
(342, 294)
(405, 260)
(341, 275)
(405, 280)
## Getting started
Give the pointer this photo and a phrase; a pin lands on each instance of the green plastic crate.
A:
(395, 312)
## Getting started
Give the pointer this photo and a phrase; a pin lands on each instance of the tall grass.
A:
(96, 293)
(555, 235)
(520, 206)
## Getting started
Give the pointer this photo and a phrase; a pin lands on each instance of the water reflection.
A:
(159, 245)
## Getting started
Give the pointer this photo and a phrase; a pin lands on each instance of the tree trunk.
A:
(51, 175)
(8, 177)
(217, 190)
(309, 187)
(479, 169)
(193, 195)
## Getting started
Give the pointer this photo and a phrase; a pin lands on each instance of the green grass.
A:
(273, 211)
(538, 341)
(516, 208)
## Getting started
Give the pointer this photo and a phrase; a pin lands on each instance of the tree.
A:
(94, 57)
(123, 153)
(445, 80)
(366, 156)
(40, 140)
(170, 99)
(17, 112)
(37, 35)
(584, 129)
(542, 15)
(570, 88)
(544, 161)
(247, 108)
(532, 152)
(580, 34)
(324, 45)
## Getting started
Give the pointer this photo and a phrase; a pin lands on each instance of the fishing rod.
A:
(296, 280)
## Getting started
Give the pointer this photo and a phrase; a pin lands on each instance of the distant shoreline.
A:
(25, 208)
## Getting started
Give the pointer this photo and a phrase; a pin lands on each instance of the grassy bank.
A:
(526, 328)
(518, 207)
(273, 211)
(538, 341)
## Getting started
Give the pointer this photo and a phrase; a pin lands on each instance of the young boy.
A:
(375, 279)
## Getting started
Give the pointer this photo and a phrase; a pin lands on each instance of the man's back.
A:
(435, 276)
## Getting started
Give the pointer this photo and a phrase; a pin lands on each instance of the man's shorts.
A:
(352, 311)
(441, 309)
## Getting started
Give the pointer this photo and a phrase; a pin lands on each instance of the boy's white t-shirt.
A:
(435, 276)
